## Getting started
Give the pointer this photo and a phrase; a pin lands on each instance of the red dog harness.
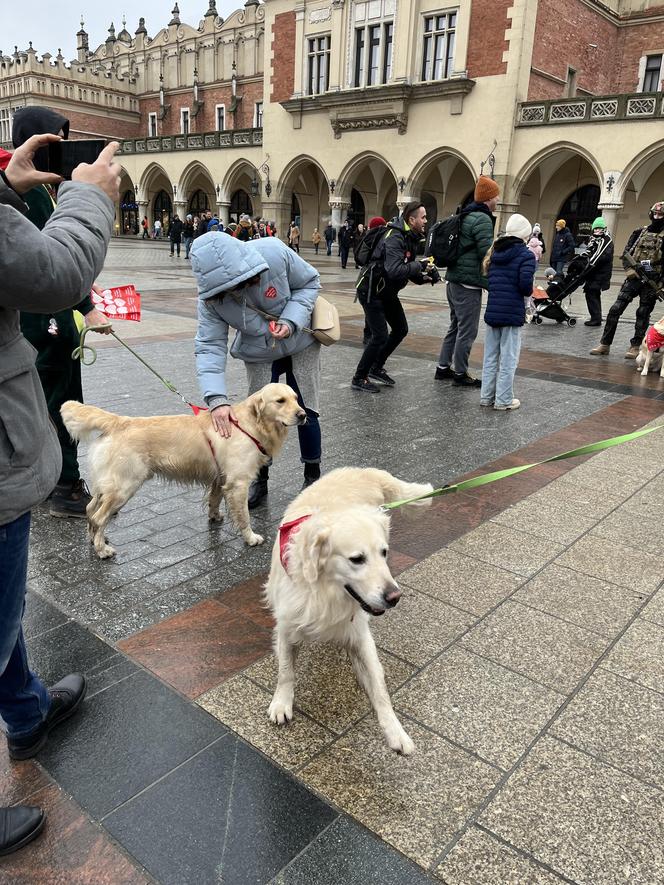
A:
(286, 532)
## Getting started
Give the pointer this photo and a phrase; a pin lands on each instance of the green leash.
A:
(487, 478)
(79, 353)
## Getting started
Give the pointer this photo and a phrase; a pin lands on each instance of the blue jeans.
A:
(309, 433)
(187, 245)
(24, 699)
(502, 345)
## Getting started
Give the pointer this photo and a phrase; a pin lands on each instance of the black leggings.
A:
(630, 290)
(381, 311)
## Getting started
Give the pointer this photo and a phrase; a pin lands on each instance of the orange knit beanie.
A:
(485, 189)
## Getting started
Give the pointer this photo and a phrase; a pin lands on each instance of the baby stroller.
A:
(561, 287)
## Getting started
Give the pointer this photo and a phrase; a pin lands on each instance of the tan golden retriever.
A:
(329, 576)
(183, 449)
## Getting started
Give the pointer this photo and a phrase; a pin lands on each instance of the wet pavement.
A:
(525, 657)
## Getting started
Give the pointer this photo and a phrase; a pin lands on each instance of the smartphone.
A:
(65, 156)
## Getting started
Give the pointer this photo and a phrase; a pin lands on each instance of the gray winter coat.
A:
(42, 272)
(287, 288)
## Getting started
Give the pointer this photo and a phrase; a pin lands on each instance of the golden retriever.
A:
(183, 449)
(329, 576)
(651, 360)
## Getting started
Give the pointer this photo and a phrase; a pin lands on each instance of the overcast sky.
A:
(51, 25)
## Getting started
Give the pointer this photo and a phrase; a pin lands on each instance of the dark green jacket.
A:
(474, 242)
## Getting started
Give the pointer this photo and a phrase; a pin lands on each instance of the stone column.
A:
(338, 212)
(279, 213)
(610, 212)
(503, 212)
(180, 209)
(224, 212)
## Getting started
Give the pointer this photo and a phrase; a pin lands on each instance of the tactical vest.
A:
(648, 248)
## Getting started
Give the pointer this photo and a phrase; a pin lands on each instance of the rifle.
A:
(630, 264)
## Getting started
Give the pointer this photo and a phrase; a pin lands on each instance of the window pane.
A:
(374, 54)
(428, 24)
(452, 20)
(450, 54)
(426, 59)
(387, 52)
(312, 45)
(359, 57)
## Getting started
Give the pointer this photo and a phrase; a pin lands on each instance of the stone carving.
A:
(391, 121)
(640, 107)
(320, 15)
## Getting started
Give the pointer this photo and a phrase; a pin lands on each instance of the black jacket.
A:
(346, 237)
(396, 254)
(37, 121)
(600, 262)
(563, 245)
(330, 234)
(188, 229)
(175, 231)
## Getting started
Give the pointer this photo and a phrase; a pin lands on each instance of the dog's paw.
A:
(399, 741)
(253, 540)
(106, 551)
(280, 713)
(215, 517)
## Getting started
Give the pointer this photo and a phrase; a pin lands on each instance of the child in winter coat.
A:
(510, 267)
(535, 246)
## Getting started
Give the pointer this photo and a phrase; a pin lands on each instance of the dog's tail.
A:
(395, 489)
(81, 420)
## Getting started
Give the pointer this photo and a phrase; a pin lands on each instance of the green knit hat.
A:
(599, 222)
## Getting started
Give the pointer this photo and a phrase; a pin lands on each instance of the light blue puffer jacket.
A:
(288, 289)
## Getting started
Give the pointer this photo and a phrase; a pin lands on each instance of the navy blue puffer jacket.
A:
(511, 273)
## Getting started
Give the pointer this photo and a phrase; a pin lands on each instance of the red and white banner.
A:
(119, 303)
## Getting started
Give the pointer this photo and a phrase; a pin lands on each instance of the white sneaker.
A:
(513, 405)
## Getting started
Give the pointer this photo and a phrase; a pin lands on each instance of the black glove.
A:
(434, 274)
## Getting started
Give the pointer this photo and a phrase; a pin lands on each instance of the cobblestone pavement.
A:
(526, 656)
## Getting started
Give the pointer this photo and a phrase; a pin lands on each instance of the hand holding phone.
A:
(104, 173)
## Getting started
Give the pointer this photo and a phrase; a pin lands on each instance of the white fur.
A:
(310, 603)
(648, 360)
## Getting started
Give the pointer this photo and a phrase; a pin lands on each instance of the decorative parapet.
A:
(592, 109)
(377, 107)
(195, 141)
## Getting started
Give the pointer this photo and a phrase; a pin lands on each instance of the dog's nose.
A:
(391, 596)
(302, 417)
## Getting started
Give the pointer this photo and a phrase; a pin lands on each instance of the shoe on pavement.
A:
(593, 323)
(632, 353)
(382, 376)
(258, 489)
(70, 500)
(508, 407)
(600, 350)
(486, 402)
(311, 474)
(66, 697)
(365, 385)
(443, 373)
(19, 825)
(463, 379)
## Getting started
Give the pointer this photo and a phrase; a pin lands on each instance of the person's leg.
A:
(510, 347)
(628, 292)
(329, 246)
(396, 320)
(375, 318)
(449, 341)
(172, 248)
(24, 700)
(594, 304)
(490, 364)
(309, 434)
(468, 309)
(647, 302)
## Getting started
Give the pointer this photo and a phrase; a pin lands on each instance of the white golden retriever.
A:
(329, 576)
(652, 360)
(184, 449)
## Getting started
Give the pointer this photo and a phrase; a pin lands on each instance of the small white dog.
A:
(329, 576)
(651, 354)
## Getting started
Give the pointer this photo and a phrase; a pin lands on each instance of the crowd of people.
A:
(252, 282)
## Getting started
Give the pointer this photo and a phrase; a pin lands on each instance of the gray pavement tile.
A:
(347, 854)
(536, 645)
(419, 627)
(461, 581)
(620, 722)
(242, 705)
(584, 819)
(40, 615)
(595, 475)
(478, 704)
(170, 555)
(178, 573)
(614, 562)
(227, 814)
(325, 686)
(109, 672)
(634, 529)
(69, 648)
(654, 611)
(113, 628)
(479, 858)
(416, 803)
(507, 548)
(639, 655)
(554, 521)
(125, 739)
(580, 599)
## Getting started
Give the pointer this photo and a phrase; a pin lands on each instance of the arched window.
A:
(163, 209)
(199, 202)
(129, 213)
(295, 211)
(356, 212)
(240, 205)
(580, 210)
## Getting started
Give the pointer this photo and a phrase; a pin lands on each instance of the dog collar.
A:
(286, 532)
(258, 445)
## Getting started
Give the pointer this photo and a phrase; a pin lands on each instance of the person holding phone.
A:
(55, 335)
(73, 246)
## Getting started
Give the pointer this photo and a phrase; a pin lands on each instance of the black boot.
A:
(311, 474)
(18, 826)
(258, 488)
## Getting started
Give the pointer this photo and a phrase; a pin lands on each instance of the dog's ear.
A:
(257, 405)
(315, 552)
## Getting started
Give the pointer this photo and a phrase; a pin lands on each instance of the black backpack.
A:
(365, 250)
(443, 240)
